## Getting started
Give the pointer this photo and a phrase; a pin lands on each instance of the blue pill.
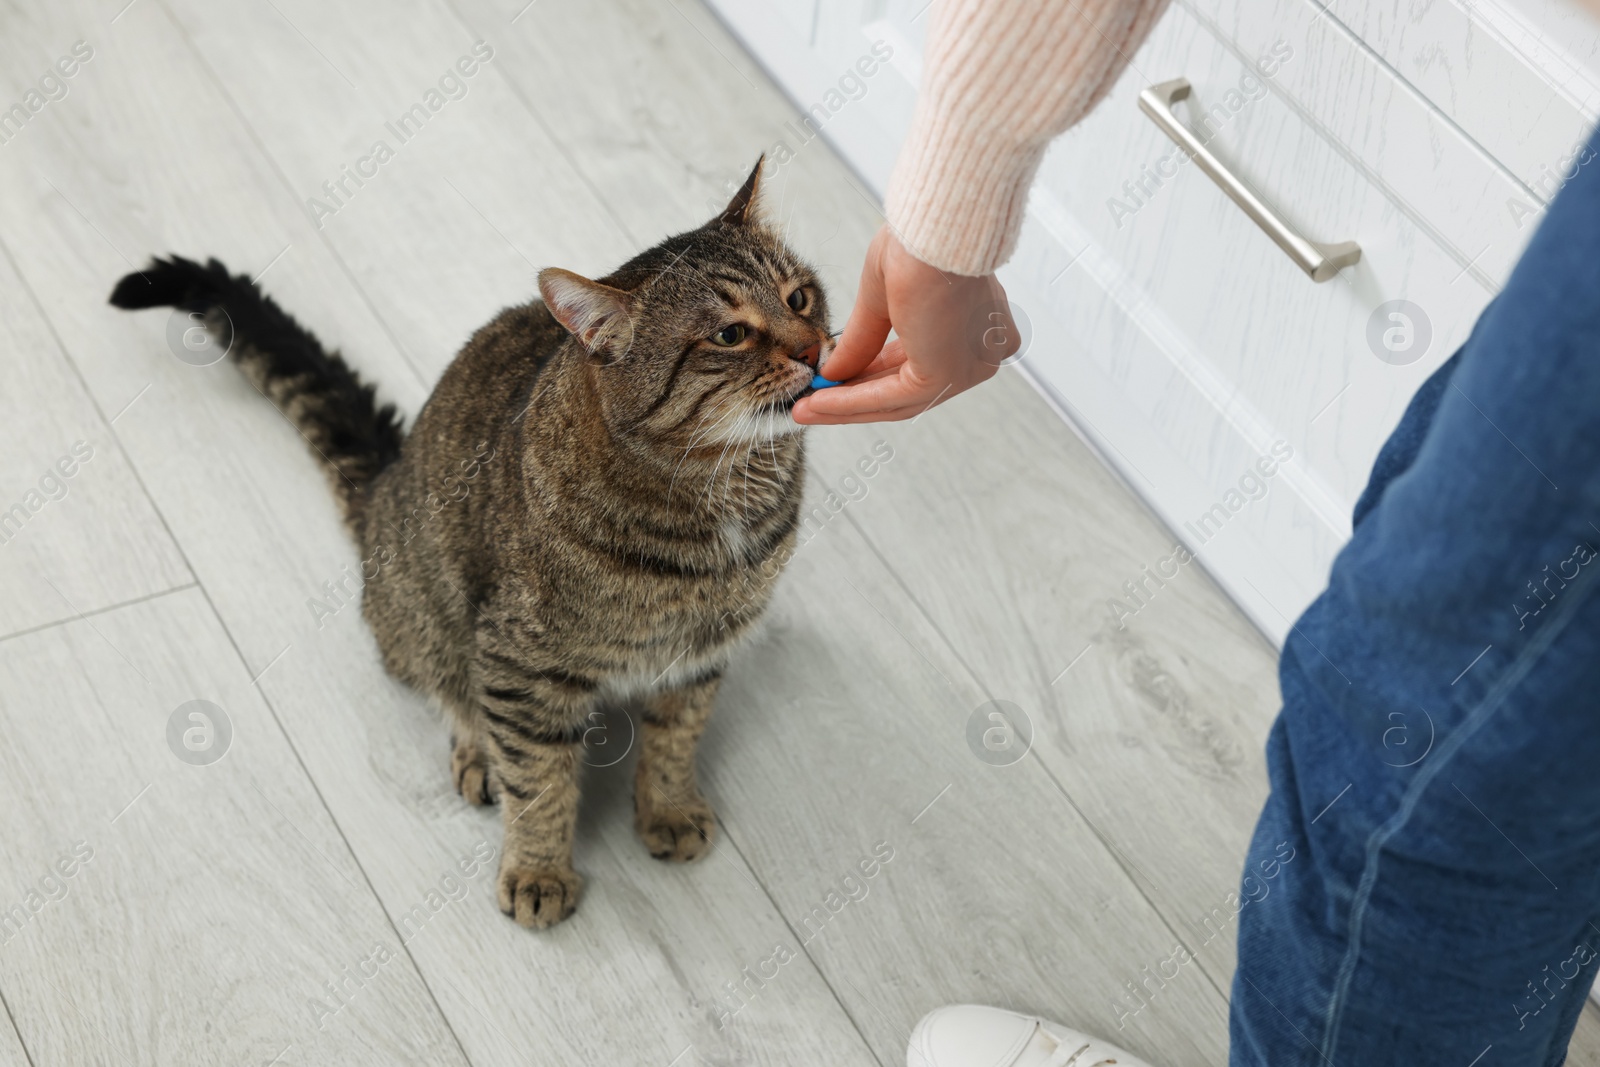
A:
(819, 382)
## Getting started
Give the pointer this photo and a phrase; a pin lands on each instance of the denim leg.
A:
(1432, 840)
(1400, 450)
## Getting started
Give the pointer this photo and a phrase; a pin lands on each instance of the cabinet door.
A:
(851, 72)
(1521, 79)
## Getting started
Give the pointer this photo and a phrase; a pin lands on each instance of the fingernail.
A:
(819, 382)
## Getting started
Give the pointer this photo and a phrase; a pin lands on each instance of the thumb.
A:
(868, 326)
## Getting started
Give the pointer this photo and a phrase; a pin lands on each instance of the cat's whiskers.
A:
(701, 435)
(755, 440)
(672, 484)
(711, 485)
(711, 481)
(766, 474)
(744, 511)
(733, 439)
(772, 442)
(746, 439)
(720, 412)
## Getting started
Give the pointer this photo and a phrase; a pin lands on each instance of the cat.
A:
(592, 506)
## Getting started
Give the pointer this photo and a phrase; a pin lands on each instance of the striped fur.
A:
(593, 505)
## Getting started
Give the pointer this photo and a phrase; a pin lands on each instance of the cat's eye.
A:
(729, 336)
(799, 300)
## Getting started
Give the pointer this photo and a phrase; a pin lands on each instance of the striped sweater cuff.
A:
(1001, 78)
(958, 194)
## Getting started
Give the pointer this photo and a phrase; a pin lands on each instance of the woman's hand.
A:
(952, 332)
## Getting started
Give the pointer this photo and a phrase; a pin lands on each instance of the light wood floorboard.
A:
(1013, 541)
(658, 941)
(974, 565)
(77, 533)
(160, 912)
(1584, 1050)
(12, 1053)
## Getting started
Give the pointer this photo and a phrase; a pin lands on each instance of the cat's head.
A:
(706, 339)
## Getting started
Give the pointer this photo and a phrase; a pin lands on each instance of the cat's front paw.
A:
(469, 769)
(679, 831)
(538, 897)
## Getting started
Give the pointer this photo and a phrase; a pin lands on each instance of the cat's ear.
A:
(745, 207)
(597, 315)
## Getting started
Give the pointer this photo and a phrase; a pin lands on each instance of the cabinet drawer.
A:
(1435, 175)
(1521, 80)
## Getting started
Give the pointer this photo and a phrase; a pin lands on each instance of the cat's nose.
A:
(809, 356)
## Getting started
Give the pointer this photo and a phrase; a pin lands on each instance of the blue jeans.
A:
(1435, 768)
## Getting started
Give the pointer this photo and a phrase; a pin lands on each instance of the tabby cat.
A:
(591, 507)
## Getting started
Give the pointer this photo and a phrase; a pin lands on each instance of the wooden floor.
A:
(312, 897)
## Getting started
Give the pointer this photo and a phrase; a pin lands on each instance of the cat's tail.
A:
(317, 390)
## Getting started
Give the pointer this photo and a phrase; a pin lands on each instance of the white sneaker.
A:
(968, 1035)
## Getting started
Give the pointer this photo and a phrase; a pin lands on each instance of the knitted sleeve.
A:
(1000, 79)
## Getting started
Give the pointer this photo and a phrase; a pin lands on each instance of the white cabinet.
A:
(1516, 79)
(1245, 402)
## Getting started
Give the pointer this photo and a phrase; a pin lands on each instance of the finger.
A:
(879, 394)
(897, 415)
(876, 370)
(890, 359)
(862, 340)
(888, 362)
(871, 375)
(868, 326)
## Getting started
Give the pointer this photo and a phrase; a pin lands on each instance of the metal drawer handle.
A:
(1318, 260)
